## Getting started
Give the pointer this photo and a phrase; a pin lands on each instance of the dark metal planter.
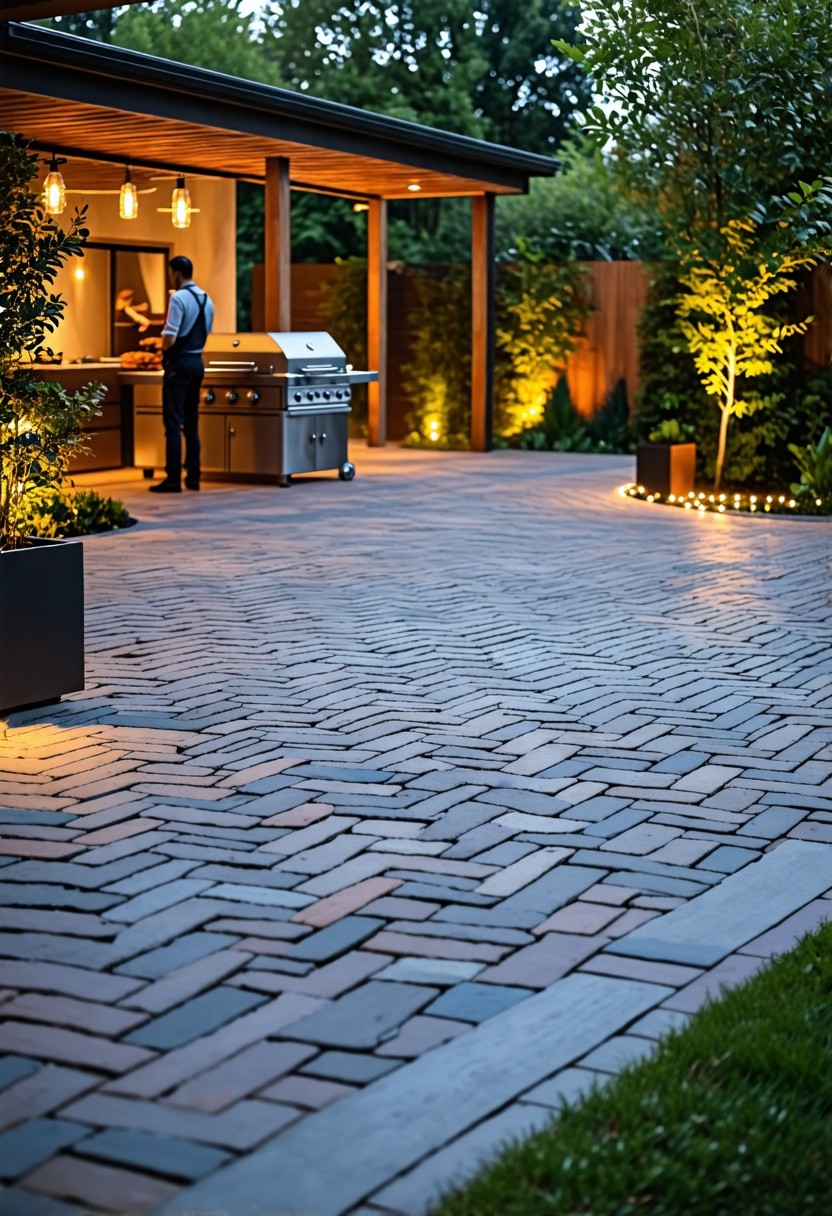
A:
(41, 623)
(666, 468)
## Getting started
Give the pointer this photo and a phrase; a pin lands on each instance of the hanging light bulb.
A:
(180, 205)
(54, 190)
(128, 198)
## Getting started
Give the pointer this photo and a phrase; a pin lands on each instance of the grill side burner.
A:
(272, 405)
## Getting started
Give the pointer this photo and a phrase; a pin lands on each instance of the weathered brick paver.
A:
(388, 805)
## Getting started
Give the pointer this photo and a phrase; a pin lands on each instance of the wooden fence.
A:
(607, 353)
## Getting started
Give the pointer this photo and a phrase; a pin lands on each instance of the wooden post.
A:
(377, 321)
(482, 322)
(278, 232)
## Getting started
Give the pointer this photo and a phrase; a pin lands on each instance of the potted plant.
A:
(41, 581)
(667, 463)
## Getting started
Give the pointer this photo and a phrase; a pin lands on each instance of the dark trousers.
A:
(180, 413)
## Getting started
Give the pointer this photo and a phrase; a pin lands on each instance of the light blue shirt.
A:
(183, 310)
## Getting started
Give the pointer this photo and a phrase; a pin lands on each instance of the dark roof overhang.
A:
(92, 99)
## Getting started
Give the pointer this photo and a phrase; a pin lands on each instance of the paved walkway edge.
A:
(332, 1160)
(713, 925)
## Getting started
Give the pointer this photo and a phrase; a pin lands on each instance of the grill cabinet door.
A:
(331, 442)
(300, 442)
(253, 443)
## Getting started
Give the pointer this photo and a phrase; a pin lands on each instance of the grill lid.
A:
(304, 354)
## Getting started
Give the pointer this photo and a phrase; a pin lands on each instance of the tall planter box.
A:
(41, 623)
(666, 468)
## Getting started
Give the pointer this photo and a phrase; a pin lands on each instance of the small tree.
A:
(40, 423)
(729, 280)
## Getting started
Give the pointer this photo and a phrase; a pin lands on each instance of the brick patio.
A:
(392, 812)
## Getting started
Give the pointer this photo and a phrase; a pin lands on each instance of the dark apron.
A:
(196, 336)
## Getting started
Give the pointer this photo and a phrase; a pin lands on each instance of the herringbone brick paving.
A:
(360, 767)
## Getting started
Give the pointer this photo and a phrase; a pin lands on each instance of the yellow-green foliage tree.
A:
(723, 312)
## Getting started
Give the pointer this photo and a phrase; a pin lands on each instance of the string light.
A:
(180, 209)
(54, 189)
(128, 198)
(180, 205)
(749, 503)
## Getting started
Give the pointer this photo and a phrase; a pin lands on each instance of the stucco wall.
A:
(209, 242)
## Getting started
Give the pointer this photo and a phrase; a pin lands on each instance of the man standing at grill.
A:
(189, 320)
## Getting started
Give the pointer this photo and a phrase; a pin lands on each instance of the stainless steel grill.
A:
(272, 405)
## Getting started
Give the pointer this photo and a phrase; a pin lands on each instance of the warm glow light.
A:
(360, 207)
(54, 190)
(79, 274)
(414, 188)
(128, 198)
(704, 503)
(180, 205)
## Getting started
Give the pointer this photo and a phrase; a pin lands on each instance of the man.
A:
(188, 323)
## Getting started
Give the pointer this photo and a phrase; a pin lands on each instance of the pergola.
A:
(109, 106)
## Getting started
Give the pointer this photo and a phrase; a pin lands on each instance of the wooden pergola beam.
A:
(482, 322)
(377, 321)
(278, 246)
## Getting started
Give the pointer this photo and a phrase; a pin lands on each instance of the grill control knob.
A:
(231, 397)
(209, 397)
(298, 396)
(253, 396)
(310, 396)
(327, 394)
(338, 393)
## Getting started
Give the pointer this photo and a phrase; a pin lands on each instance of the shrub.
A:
(79, 513)
(41, 423)
(815, 464)
(437, 378)
(541, 309)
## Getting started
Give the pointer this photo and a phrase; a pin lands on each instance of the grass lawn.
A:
(731, 1117)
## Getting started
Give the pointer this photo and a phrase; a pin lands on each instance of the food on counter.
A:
(149, 358)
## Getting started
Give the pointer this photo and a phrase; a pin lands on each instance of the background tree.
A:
(709, 106)
(710, 109)
(205, 33)
(487, 70)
